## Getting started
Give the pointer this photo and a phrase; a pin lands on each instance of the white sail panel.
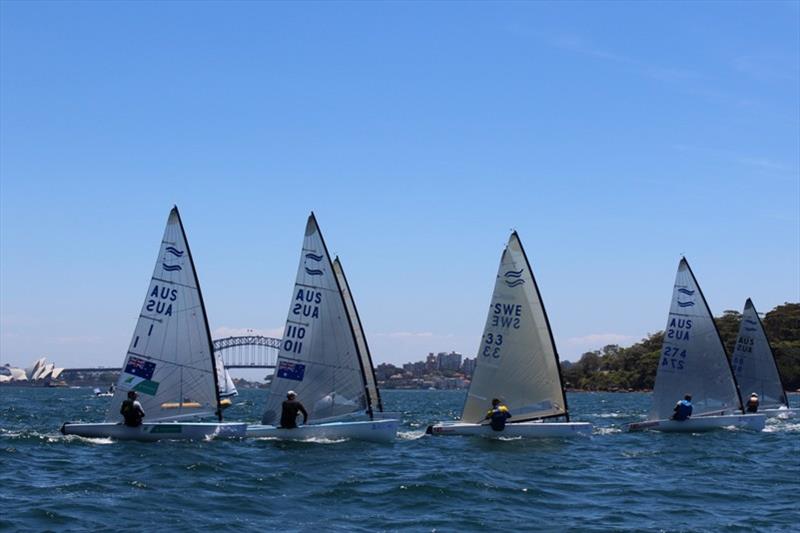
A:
(170, 361)
(754, 363)
(318, 357)
(517, 360)
(693, 359)
(227, 388)
(373, 395)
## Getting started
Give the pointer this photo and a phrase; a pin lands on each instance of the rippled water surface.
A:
(726, 480)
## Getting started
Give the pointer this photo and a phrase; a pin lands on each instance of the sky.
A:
(614, 137)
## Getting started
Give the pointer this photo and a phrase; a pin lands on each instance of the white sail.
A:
(170, 360)
(517, 360)
(693, 358)
(227, 388)
(318, 358)
(373, 394)
(754, 363)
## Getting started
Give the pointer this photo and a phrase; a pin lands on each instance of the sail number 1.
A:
(493, 343)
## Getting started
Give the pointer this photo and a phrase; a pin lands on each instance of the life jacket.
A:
(133, 416)
(752, 405)
(498, 416)
(683, 410)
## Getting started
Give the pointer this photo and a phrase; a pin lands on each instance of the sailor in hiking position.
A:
(132, 411)
(289, 409)
(752, 404)
(683, 409)
(497, 415)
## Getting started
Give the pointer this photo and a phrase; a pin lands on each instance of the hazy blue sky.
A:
(614, 137)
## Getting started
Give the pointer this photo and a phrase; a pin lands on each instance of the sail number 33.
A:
(493, 343)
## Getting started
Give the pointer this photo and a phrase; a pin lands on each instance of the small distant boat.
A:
(693, 361)
(170, 362)
(325, 358)
(107, 394)
(755, 367)
(517, 362)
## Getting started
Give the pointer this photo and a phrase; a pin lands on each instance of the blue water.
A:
(727, 480)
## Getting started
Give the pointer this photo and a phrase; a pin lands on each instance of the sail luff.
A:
(754, 361)
(784, 398)
(365, 358)
(693, 359)
(516, 361)
(719, 337)
(549, 329)
(203, 310)
(319, 357)
(170, 355)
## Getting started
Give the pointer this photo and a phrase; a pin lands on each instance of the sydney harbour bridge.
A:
(248, 351)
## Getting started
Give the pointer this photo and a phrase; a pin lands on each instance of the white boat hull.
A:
(369, 430)
(157, 430)
(520, 429)
(753, 422)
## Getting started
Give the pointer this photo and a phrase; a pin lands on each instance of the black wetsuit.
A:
(133, 413)
(289, 410)
(752, 406)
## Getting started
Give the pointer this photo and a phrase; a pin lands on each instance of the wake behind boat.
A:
(517, 362)
(325, 358)
(170, 363)
(694, 362)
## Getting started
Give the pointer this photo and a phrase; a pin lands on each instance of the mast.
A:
(368, 355)
(719, 337)
(205, 315)
(549, 329)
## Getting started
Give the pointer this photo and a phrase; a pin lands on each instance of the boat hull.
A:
(520, 429)
(157, 430)
(753, 422)
(369, 430)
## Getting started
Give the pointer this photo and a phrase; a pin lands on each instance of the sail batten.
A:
(171, 360)
(319, 357)
(693, 359)
(517, 360)
(754, 362)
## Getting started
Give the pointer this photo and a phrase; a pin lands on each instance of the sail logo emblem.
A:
(171, 268)
(174, 251)
(514, 278)
(314, 271)
(289, 370)
(687, 292)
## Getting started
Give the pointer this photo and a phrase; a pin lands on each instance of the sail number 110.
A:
(493, 343)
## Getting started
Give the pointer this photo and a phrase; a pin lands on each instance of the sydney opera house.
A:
(40, 373)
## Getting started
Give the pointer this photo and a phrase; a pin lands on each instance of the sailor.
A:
(111, 389)
(289, 409)
(497, 415)
(683, 409)
(132, 411)
(752, 404)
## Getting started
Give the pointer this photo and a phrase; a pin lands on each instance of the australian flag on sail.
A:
(140, 367)
(289, 370)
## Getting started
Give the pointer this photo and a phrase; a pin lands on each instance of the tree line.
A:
(617, 368)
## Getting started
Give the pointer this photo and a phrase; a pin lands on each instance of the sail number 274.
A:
(493, 343)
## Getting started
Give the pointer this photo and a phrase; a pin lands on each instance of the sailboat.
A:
(170, 361)
(755, 367)
(517, 362)
(694, 361)
(324, 357)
